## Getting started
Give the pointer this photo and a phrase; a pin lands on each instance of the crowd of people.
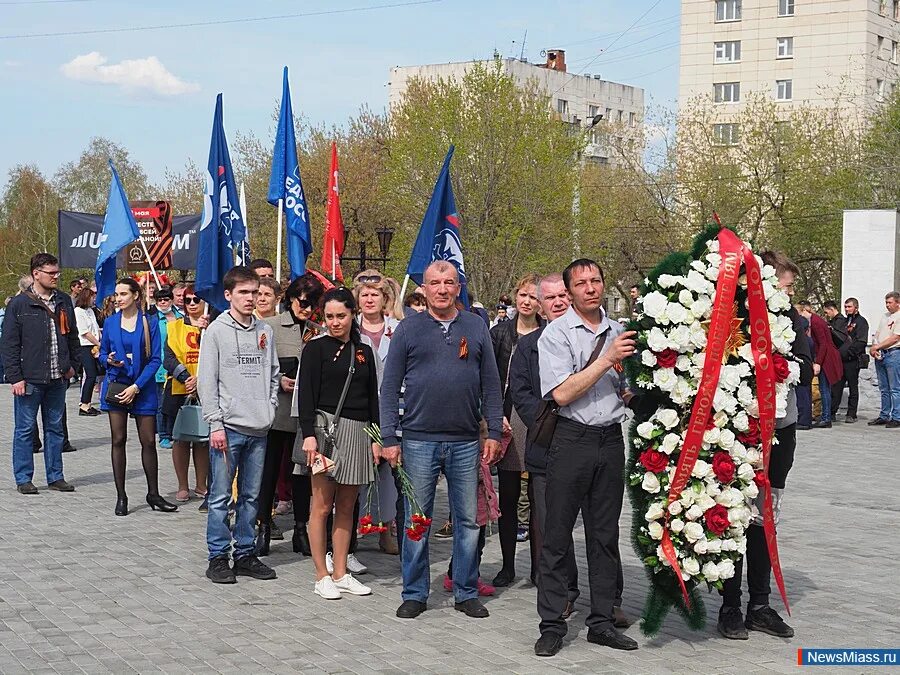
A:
(311, 396)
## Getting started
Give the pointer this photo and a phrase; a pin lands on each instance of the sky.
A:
(153, 91)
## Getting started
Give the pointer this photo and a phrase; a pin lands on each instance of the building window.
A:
(879, 88)
(785, 7)
(632, 119)
(727, 92)
(726, 134)
(562, 106)
(784, 48)
(620, 116)
(882, 7)
(728, 10)
(608, 115)
(784, 90)
(896, 10)
(593, 110)
(894, 54)
(879, 48)
(728, 52)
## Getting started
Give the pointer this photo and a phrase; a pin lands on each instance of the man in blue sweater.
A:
(446, 358)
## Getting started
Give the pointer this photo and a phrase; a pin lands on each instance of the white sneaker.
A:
(329, 562)
(354, 566)
(350, 585)
(326, 588)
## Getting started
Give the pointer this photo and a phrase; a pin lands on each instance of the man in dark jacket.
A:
(853, 353)
(39, 350)
(525, 391)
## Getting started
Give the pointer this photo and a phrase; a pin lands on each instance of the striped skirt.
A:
(352, 454)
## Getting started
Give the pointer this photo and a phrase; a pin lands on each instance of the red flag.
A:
(333, 248)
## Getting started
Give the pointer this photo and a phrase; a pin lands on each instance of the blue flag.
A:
(439, 234)
(222, 231)
(119, 230)
(285, 184)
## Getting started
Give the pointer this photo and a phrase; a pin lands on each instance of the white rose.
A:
(665, 378)
(701, 307)
(701, 547)
(701, 469)
(754, 456)
(697, 283)
(698, 336)
(729, 545)
(657, 340)
(693, 531)
(711, 436)
(729, 378)
(693, 513)
(648, 358)
(645, 429)
(714, 546)
(713, 245)
(726, 569)
(710, 572)
(712, 273)
(686, 298)
(705, 502)
(750, 490)
(677, 313)
(744, 394)
(690, 566)
(677, 525)
(722, 400)
(662, 556)
(720, 419)
(675, 508)
(682, 391)
(767, 272)
(698, 265)
(655, 512)
(680, 338)
(746, 473)
(746, 352)
(683, 363)
(668, 280)
(667, 417)
(687, 498)
(714, 259)
(726, 439)
(654, 304)
(740, 421)
(712, 486)
(670, 443)
(779, 302)
(656, 530)
(650, 483)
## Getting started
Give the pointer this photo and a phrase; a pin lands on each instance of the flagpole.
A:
(243, 202)
(333, 266)
(150, 262)
(403, 289)
(278, 242)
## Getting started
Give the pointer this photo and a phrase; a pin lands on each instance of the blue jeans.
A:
(52, 398)
(246, 455)
(825, 397)
(163, 421)
(423, 461)
(887, 369)
(804, 406)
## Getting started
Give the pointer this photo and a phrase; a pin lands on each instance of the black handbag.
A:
(113, 388)
(548, 414)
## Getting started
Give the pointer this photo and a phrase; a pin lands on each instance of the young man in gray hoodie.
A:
(237, 382)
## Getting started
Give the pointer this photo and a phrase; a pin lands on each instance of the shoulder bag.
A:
(548, 414)
(114, 388)
(189, 424)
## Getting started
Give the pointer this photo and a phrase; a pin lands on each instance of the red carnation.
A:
(653, 460)
(366, 519)
(723, 467)
(716, 519)
(781, 367)
(760, 479)
(751, 436)
(666, 358)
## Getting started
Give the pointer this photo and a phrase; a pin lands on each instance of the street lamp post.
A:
(385, 235)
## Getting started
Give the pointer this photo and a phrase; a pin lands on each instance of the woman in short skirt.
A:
(324, 366)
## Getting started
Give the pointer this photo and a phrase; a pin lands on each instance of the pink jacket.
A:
(488, 508)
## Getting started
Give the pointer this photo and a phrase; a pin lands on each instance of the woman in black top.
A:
(324, 367)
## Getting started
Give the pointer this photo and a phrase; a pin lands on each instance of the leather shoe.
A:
(620, 619)
(821, 425)
(27, 488)
(68, 447)
(410, 609)
(548, 644)
(850, 420)
(877, 422)
(61, 486)
(612, 638)
(472, 608)
(893, 424)
(503, 579)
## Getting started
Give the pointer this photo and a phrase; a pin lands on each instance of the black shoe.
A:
(504, 578)
(548, 644)
(822, 425)
(27, 488)
(410, 609)
(731, 623)
(893, 424)
(300, 540)
(472, 608)
(620, 619)
(219, 571)
(68, 447)
(61, 486)
(204, 505)
(613, 639)
(263, 537)
(90, 412)
(157, 502)
(877, 422)
(277, 534)
(251, 566)
(850, 420)
(766, 620)
(803, 427)
(122, 506)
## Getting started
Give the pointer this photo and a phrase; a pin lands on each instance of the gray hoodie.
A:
(238, 377)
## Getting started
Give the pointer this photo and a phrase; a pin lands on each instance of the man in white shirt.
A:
(886, 352)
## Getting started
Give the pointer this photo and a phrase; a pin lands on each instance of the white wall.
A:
(871, 260)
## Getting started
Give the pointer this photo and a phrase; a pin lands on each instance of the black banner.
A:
(79, 239)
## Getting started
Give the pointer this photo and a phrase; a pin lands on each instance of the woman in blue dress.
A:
(130, 348)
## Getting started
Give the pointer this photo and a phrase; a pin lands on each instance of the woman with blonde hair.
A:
(393, 302)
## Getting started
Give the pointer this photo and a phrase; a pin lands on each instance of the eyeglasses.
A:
(192, 300)
(370, 279)
(164, 299)
(51, 273)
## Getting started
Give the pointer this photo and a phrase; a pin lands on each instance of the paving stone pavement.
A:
(84, 591)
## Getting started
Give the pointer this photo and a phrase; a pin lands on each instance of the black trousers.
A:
(278, 443)
(759, 566)
(584, 471)
(510, 488)
(851, 380)
(537, 489)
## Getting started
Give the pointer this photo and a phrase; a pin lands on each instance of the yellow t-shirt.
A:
(184, 341)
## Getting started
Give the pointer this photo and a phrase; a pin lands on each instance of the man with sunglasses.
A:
(39, 349)
(165, 312)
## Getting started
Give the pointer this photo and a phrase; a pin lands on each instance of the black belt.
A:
(591, 428)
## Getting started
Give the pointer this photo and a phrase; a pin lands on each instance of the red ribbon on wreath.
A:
(732, 250)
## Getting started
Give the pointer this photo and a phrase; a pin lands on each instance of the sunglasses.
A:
(304, 303)
(164, 299)
(192, 300)
(371, 279)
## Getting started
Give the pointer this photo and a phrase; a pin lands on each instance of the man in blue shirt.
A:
(446, 358)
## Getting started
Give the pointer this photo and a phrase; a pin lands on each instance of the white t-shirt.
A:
(889, 325)
(86, 321)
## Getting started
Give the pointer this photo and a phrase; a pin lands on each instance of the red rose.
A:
(751, 436)
(716, 519)
(723, 467)
(666, 358)
(760, 479)
(781, 367)
(654, 461)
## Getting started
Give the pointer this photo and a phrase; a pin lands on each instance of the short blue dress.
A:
(138, 368)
